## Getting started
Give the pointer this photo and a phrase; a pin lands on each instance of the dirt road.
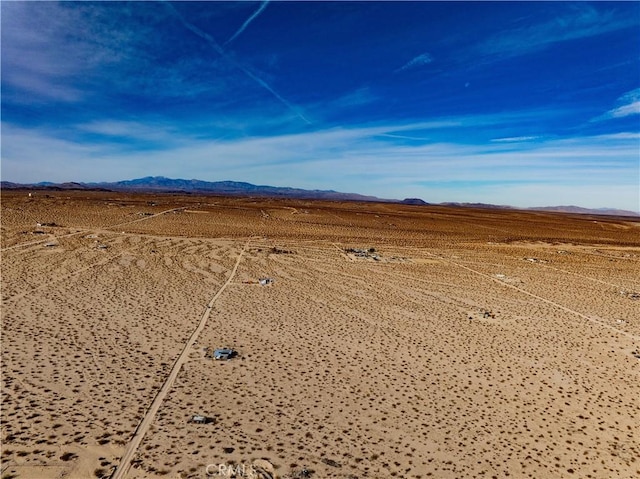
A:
(145, 423)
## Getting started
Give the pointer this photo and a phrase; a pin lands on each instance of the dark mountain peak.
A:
(414, 201)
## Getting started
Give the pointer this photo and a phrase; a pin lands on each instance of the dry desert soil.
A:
(394, 341)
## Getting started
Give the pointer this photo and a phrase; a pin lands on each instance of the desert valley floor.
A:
(394, 341)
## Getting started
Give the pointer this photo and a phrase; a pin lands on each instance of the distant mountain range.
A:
(589, 211)
(160, 184)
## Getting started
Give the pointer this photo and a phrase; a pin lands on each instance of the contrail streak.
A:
(212, 41)
(266, 86)
(262, 6)
(192, 28)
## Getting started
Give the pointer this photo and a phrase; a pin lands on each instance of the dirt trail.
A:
(62, 277)
(548, 301)
(31, 243)
(143, 427)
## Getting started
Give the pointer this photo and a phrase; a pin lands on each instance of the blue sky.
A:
(518, 103)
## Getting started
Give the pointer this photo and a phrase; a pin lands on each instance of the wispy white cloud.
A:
(404, 137)
(415, 62)
(626, 110)
(30, 155)
(30, 39)
(579, 21)
(628, 104)
(359, 97)
(137, 133)
(332, 109)
(60, 51)
(515, 139)
(246, 23)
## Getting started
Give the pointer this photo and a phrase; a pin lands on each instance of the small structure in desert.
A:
(365, 253)
(224, 354)
(199, 419)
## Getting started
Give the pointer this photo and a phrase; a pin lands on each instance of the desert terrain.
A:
(393, 341)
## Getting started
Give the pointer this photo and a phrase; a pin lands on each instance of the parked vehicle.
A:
(224, 354)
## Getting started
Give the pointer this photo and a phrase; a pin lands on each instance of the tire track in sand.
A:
(540, 298)
(144, 425)
(84, 230)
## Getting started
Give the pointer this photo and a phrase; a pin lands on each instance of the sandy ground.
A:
(470, 343)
